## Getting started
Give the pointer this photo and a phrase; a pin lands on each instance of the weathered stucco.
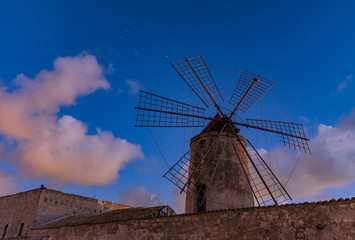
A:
(323, 220)
(227, 185)
(36, 207)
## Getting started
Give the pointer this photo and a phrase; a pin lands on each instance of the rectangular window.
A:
(20, 231)
(5, 230)
(201, 197)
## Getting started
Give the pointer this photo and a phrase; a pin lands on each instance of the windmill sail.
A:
(250, 88)
(157, 111)
(266, 187)
(292, 134)
(196, 74)
(182, 173)
(178, 173)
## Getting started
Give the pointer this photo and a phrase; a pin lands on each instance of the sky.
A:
(71, 71)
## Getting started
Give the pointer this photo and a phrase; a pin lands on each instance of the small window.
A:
(202, 143)
(200, 197)
(20, 231)
(5, 230)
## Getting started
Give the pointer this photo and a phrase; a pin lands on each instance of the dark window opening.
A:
(200, 197)
(5, 230)
(202, 143)
(21, 228)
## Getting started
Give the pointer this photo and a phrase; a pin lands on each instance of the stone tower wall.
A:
(227, 185)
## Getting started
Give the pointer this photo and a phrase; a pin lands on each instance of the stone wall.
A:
(36, 207)
(54, 205)
(17, 209)
(322, 220)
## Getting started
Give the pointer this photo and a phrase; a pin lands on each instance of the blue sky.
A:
(306, 47)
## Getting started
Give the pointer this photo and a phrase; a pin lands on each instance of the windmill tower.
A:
(222, 169)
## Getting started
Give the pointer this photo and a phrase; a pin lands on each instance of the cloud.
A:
(332, 163)
(303, 119)
(134, 86)
(61, 149)
(8, 184)
(110, 69)
(343, 84)
(139, 197)
(179, 200)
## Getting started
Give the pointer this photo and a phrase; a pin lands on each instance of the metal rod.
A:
(245, 94)
(270, 170)
(188, 84)
(268, 130)
(211, 78)
(175, 163)
(172, 100)
(246, 175)
(176, 113)
(252, 119)
(203, 85)
(256, 169)
(260, 96)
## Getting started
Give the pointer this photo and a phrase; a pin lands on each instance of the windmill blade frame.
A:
(275, 191)
(292, 134)
(178, 173)
(156, 111)
(264, 174)
(184, 161)
(198, 77)
(250, 88)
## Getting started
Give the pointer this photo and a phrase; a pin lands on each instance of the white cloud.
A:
(61, 149)
(134, 86)
(303, 119)
(8, 184)
(110, 70)
(179, 200)
(344, 84)
(139, 197)
(332, 163)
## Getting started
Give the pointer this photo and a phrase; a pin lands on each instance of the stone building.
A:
(48, 214)
(219, 182)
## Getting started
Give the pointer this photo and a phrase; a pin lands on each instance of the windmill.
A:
(222, 169)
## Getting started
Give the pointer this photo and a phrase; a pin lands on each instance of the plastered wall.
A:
(323, 220)
(39, 206)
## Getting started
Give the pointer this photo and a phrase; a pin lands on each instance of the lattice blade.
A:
(157, 111)
(178, 174)
(266, 187)
(292, 134)
(196, 74)
(244, 100)
(183, 173)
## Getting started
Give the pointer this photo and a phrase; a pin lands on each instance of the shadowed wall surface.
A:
(36, 207)
(321, 220)
(76, 219)
(227, 185)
